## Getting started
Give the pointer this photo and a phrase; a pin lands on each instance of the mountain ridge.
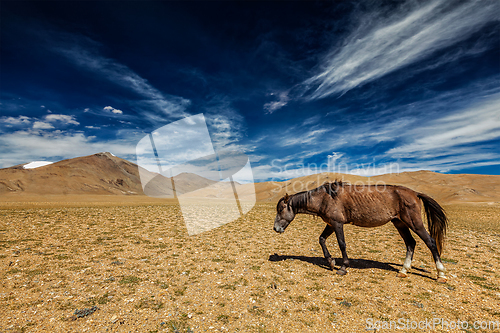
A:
(105, 173)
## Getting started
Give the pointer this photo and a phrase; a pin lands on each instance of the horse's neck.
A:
(310, 206)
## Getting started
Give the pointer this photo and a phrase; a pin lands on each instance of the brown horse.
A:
(340, 203)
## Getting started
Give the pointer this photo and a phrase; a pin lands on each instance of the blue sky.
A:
(368, 87)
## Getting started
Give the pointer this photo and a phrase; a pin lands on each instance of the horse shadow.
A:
(354, 263)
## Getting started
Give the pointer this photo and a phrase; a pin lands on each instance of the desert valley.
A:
(83, 249)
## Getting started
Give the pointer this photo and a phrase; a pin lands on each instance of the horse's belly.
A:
(373, 219)
(369, 224)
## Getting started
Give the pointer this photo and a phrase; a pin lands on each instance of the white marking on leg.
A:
(407, 264)
(440, 268)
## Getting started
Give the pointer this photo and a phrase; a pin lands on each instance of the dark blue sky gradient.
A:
(377, 83)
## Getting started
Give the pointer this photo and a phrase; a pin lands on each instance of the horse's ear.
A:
(286, 198)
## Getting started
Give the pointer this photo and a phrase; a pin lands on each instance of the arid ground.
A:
(135, 263)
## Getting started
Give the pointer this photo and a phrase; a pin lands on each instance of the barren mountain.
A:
(442, 187)
(101, 173)
(104, 173)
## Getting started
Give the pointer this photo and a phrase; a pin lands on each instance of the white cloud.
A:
(25, 146)
(283, 100)
(65, 119)
(45, 123)
(112, 109)
(334, 157)
(385, 43)
(20, 120)
(42, 125)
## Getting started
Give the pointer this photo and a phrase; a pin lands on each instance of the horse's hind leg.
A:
(419, 229)
(339, 232)
(322, 241)
(410, 247)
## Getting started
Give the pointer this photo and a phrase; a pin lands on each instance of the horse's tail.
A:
(436, 219)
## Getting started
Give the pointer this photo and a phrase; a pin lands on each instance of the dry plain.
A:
(134, 261)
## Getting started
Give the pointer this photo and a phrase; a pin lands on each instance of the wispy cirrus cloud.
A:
(451, 131)
(477, 124)
(305, 138)
(387, 41)
(83, 52)
(439, 134)
(383, 44)
(283, 99)
(226, 124)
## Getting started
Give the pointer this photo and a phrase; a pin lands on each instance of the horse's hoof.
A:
(442, 279)
(402, 275)
(341, 272)
(331, 263)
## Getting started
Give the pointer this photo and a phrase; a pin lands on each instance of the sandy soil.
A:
(28, 201)
(137, 265)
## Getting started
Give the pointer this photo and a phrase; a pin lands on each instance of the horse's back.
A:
(371, 205)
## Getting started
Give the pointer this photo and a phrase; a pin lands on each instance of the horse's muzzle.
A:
(279, 230)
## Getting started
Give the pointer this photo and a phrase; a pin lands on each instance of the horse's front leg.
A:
(322, 241)
(339, 232)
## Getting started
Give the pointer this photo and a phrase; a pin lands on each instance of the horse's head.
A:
(284, 214)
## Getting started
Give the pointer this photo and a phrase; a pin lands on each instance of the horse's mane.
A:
(332, 188)
(300, 200)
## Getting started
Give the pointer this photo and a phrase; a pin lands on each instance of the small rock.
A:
(418, 305)
(86, 312)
